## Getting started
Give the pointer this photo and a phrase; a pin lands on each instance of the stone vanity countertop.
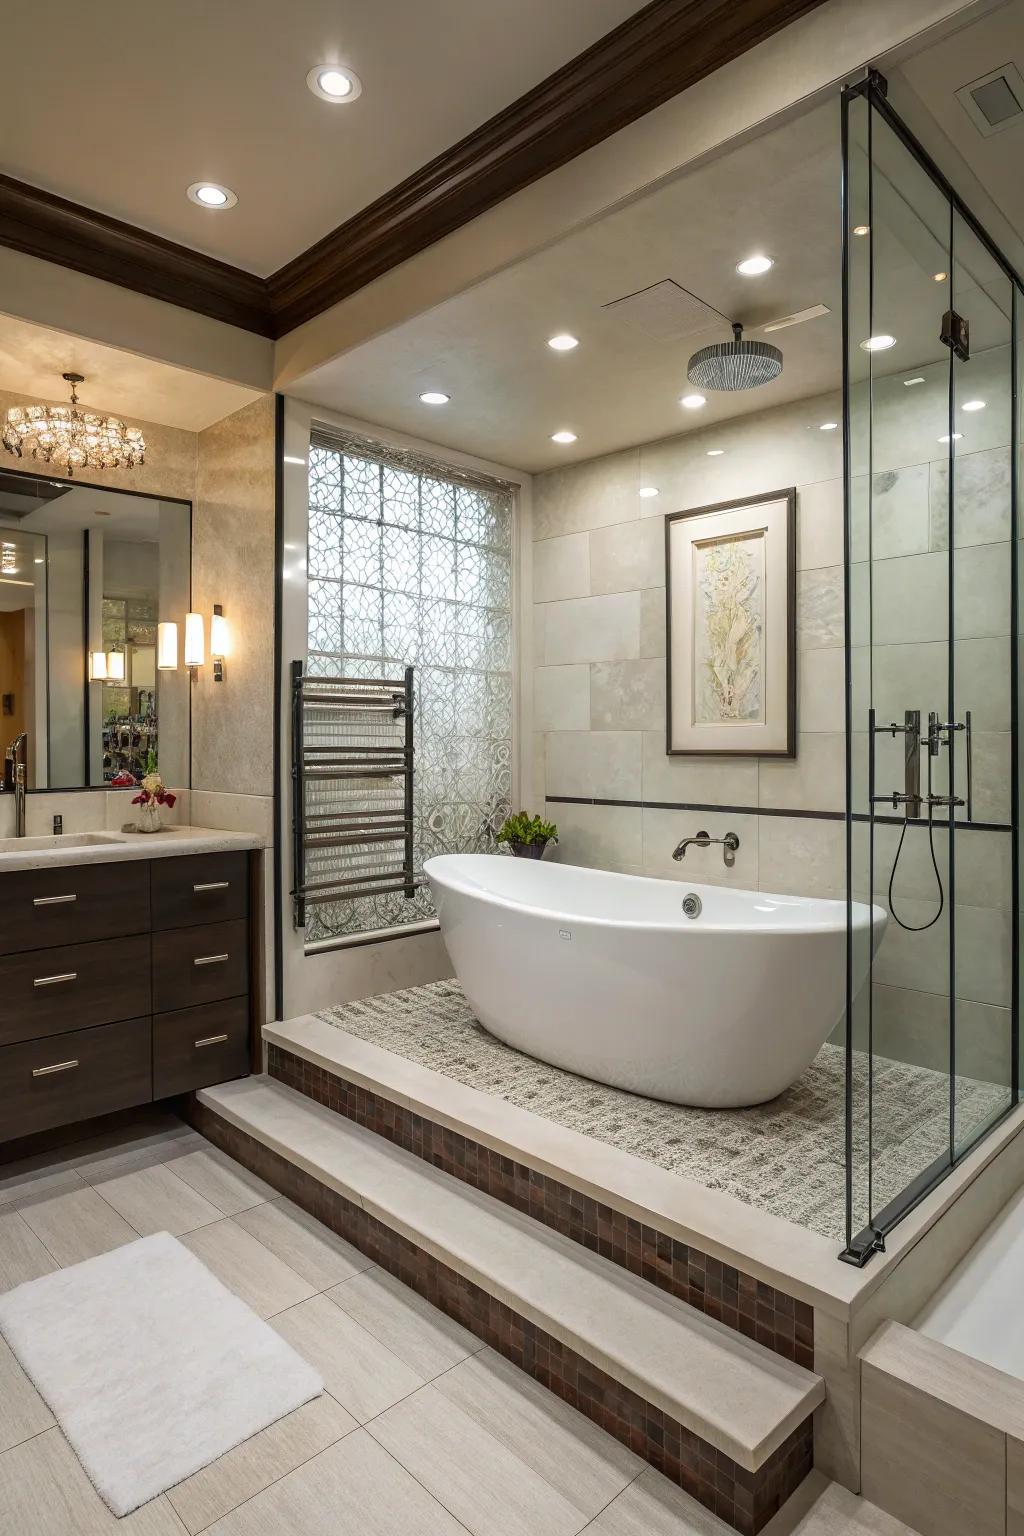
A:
(116, 847)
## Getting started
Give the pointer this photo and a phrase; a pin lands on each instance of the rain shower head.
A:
(736, 364)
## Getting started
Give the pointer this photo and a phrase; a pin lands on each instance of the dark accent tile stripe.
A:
(746, 1500)
(778, 1321)
(765, 810)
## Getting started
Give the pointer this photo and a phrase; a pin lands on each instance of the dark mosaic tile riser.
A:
(746, 1500)
(774, 1319)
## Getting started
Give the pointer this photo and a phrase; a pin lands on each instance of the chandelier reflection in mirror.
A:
(71, 438)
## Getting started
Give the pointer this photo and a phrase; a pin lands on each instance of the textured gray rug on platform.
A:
(786, 1157)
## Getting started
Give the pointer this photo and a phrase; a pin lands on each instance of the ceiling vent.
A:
(665, 311)
(995, 101)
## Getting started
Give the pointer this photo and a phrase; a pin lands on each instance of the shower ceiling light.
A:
(736, 364)
(647, 491)
(715, 453)
(434, 397)
(334, 83)
(909, 383)
(563, 437)
(693, 402)
(940, 277)
(862, 229)
(973, 405)
(70, 437)
(563, 342)
(753, 266)
(951, 437)
(828, 426)
(880, 343)
(209, 194)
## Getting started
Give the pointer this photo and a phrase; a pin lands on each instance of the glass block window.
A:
(409, 565)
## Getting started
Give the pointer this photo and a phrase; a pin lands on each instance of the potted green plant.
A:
(527, 836)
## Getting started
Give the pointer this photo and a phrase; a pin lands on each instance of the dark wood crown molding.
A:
(655, 54)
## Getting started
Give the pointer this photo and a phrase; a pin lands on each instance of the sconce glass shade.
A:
(115, 666)
(98, 666)
(195, 640)
(219, 638)
(167, 647)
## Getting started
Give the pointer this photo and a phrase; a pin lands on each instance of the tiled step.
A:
(730, 1392)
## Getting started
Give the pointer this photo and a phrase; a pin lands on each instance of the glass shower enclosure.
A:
(932, 400)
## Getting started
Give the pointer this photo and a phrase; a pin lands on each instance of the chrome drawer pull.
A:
(58, 1066)
(212, 885)
(52, 981)
(211, 1040)
(210, 959)
(51, 901)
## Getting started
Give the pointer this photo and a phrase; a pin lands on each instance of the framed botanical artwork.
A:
(730, 573)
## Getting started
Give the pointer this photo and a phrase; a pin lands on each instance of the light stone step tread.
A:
(729, 1390)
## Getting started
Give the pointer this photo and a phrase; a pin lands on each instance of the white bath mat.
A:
(150, 1365)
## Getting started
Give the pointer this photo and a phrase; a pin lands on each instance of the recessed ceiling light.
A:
(647, 491)
(563, 342)
(879, 343)
(828, 426)
(715, 453)
(40, 560)
(434, 397)
(862, 229)
(940, 277)
(753, 266)
(335, 83)
(973, 405)
(563, 437)
(917, 379)
(693, 402)
(951, 437)
(209, 194)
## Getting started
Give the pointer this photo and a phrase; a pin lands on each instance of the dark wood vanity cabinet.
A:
(122, 983)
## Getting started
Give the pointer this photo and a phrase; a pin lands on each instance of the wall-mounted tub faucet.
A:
(730, 842)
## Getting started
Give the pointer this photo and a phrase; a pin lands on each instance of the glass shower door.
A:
(928, 325)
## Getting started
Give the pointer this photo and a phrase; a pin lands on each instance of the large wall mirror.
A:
(86, 576)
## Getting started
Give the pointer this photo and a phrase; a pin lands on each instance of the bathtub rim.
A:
(836, 906)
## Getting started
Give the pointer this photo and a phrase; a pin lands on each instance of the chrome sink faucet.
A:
(16, 778)
(730, 842)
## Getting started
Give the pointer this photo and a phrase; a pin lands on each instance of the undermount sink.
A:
(70, 840)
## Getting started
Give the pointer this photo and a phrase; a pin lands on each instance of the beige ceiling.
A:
(32, 359)
(778, 193)
(122, 105)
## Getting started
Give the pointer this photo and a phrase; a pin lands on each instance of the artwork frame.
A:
(730, 628)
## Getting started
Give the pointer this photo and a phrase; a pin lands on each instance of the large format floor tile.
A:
(222, 1181)
(352, 1489)
(586, 1465)
(156, 1200)
(426, 1339)
(263, 1280)
(256, 1463)
(22, 1255)
(313, 1250)
(22, 1411)
(77, 1226)
(45, 1492)
(362, 1373)
(487, 1486)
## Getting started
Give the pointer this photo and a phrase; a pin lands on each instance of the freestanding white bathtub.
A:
(605, 975)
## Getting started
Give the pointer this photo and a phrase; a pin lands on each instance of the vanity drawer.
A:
(44, 1083)
(194, 1047)
(200, 965)
(47, 991)
(204, 888)
(72, 905)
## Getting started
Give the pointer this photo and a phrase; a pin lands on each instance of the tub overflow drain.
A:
(692, 905)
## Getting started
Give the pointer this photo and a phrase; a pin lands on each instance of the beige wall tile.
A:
(814, 780)
(628, 556)
(603, 836)
(696, 780)
(819, 607)
(819, 524)
(652, 622)
(561, 698)
(561, 568)
(587, 495)
(591, 629)
(601, 764)
(932, 1466)
(821, 688)
(627, 695)
(801, 857)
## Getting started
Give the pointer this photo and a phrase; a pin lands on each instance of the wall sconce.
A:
(195, 640)
(98, 666)
(220, 642)
(167, 647)
(115, 666)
